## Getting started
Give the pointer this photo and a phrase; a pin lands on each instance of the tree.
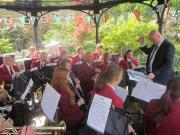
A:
(119, 35)
(5, 46)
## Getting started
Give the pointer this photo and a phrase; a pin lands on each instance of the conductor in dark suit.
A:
(159, 64)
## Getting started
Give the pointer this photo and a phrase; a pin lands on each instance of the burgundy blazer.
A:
(76, 59)
(108, 92)
(35, 64)
(5, 74)
(124, 63)
(71, 114)
(102, 66)
(85, 75)
(171, 123)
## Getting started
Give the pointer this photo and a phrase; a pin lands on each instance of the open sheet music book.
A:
(121, 92)
(50, 101)
(137, 76)
(98, 113)
(147, 91)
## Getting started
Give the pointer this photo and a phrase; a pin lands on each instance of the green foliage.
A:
(89, 46)
(121, 35)
(12, 34)
(176, 65)
(62, 32)
(5, 46)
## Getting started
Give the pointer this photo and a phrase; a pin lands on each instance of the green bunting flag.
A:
(88, 19)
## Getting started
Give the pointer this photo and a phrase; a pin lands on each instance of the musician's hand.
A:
(113, 107)
(78, 86)
(151, 76)
(94, 77)
(77, 80)
(8, 123)
(5, 124)
(133, 66)
(130, 129)
(97, 70)
(81, 102)
(141, 41)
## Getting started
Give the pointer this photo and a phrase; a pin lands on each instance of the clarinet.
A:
(75, 90)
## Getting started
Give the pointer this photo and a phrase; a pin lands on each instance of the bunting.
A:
(137, 14)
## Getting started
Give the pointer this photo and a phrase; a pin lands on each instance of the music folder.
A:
(117, 122)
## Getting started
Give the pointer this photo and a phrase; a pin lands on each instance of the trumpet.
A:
(46, 130)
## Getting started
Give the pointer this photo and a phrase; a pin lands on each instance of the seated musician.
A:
(69, 110)
(79, 57)
(86, 74)
(106, 81)
(7, 71)
(5, 124)
(63, 56)
(43, 60)
(98, 52)
(162, 115)
(73, 82)
(105, 62)
(129, 61)
(32, 53)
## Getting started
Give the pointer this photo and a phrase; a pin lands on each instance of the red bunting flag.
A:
(137, 14)
(106, 17)
(10, 22)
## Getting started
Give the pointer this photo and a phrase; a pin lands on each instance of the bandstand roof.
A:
(36, 6)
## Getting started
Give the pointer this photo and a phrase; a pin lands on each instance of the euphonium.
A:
(46, 130)
(4, 96)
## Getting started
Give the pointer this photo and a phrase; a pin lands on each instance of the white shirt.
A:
(154, 55)
(8, 67)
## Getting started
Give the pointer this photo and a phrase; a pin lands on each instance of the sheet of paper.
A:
(121, 92)
(30, 84)
(50, 101)
(98, 113)
(148, 90)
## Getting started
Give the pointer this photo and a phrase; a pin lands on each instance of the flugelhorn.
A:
(46, 130)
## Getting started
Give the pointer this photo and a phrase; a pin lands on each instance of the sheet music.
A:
(148, 90)
(30, 84)
(35, 68)
(137, 76)
(98, 113)
(121, 92)
(50, 101)
(52, 64)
